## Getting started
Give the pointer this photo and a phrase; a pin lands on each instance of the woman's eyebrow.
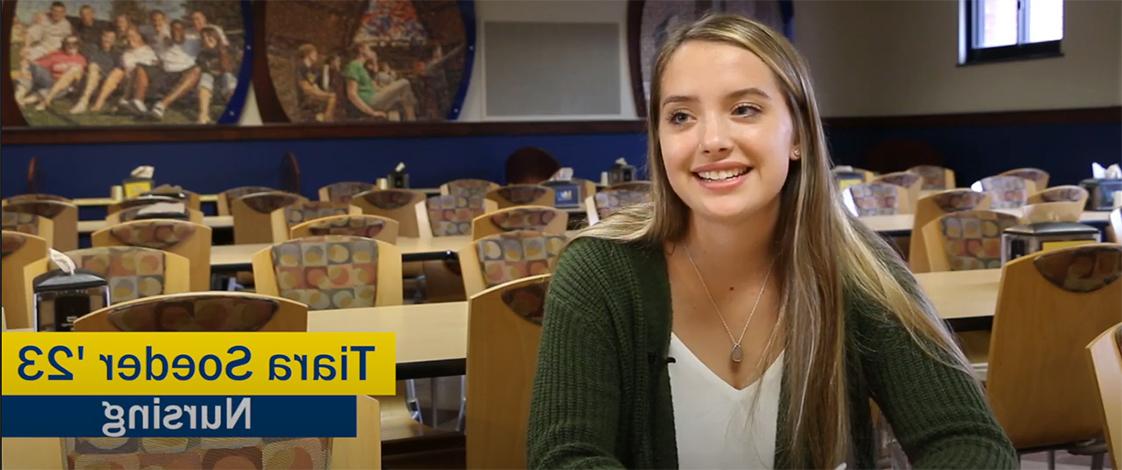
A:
(752, 91)
(678, 99)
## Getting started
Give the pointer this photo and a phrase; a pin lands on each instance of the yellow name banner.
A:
(175, 363)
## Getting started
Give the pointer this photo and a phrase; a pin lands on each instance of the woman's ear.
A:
(795, 153)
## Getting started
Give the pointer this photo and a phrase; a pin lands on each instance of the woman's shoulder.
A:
(593, 263)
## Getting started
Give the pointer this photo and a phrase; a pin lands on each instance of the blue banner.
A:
(178, 416)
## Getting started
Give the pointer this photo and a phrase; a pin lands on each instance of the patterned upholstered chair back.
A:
(522, 195)
(330, 272)
(508, 256)
(934, 177)
(903, 179)
(536, 218)
(285, 218)
(190, 198)
(176, 212)
(469, 188)
(396, 204)
(187, 239)
(502, 367)
(1063, 299)
(134, 272)
(452, 215)
(1038, 177)
(343, 191)
(1007, 192)
(1066, 193)
(876, 199)
(210, 453)
(22, 257)
(253, 215)
(199, 311)
(929, 208)
(63, 218)
(225, 198)
(966, 240)
(358, 225)
(20, 222)
(610, 200)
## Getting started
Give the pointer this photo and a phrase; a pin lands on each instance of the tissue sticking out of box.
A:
(163, 208)
(143, 171)
(63, 261)
(1113, 172)
(399, 168)
(563, 174)
(621, 161)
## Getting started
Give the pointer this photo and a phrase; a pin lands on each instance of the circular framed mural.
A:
(660, 18)
(129, 62)
(370, 60)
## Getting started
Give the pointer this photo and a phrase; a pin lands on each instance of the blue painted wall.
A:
(1065, 150)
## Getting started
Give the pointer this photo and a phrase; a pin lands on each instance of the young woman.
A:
(743, 320)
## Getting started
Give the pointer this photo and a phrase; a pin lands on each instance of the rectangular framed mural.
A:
(76, 63)
(369, 61)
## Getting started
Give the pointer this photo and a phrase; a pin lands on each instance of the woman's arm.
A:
(575, 407)
(937, 412)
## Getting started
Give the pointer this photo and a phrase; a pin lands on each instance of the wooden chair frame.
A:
(18, 270)
(1105, 356)
(1040, 184)
(1030, 187)
(1038, 196)
(911, 191)
(501, 367)
(935, 242)
(1051, 212)
(482, 226)
(64, 236)
(1115, 228)
(548, 198)
(193, 216)
(224, 199)
(44, 228)
(926, 211)
(387, 292)
(281, 229)
(445, 188)
(195, 248)
(425, 226)
(406, 215)
(251, 226)
(324, 192)
(388, 234)
(948, 176)
(290, 315)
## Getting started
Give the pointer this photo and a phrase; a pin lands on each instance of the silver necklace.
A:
(737, 353)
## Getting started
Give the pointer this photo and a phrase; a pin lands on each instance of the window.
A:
(995, 30)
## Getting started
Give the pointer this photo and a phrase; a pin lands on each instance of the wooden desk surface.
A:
(226, 257)
(962, 294)
(105, 201)
(212, 221)
(427, 334)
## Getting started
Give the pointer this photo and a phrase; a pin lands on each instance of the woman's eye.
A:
(745, 110)
(678, 118)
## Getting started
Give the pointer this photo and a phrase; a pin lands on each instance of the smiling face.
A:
(725, 131)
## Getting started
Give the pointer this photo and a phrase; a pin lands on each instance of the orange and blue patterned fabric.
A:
(469, 188)
(875, 198)
(206, 312)
(1063, 194)
(19, 222)
(11, 243)
(197, 453)
(521, 194)
(611, 200)
(972, 239)
(1083, 269)
(1007, 192)
(328, 272)
(523, 218)
(902, 179)
(508, 256)
(356, 225)
(133, 213)
(527, 301)
(270, 201)
(309, 210)
(1037, 176)
(132, 272)
(958, 200)
(452, 215)
(344, 191)
(934, 177)
(158, 234)
(389, 199)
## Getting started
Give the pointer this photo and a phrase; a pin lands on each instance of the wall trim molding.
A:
(107, 135)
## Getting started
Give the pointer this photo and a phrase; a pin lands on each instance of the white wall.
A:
(874, 58)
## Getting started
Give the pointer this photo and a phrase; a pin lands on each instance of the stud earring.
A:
(796, 155)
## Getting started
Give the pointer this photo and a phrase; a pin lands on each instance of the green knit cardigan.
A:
(602, 391)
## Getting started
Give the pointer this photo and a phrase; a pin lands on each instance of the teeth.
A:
(721, 174)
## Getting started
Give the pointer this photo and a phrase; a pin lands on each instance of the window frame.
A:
(971, 25)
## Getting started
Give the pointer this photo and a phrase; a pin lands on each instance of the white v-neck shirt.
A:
(716, 425)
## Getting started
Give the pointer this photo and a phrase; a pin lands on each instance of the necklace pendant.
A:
(737, 354)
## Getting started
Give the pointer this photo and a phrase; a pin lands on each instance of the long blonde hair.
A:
(826, 256)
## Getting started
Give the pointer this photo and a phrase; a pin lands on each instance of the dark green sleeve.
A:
(575, 407)
(936, 411)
